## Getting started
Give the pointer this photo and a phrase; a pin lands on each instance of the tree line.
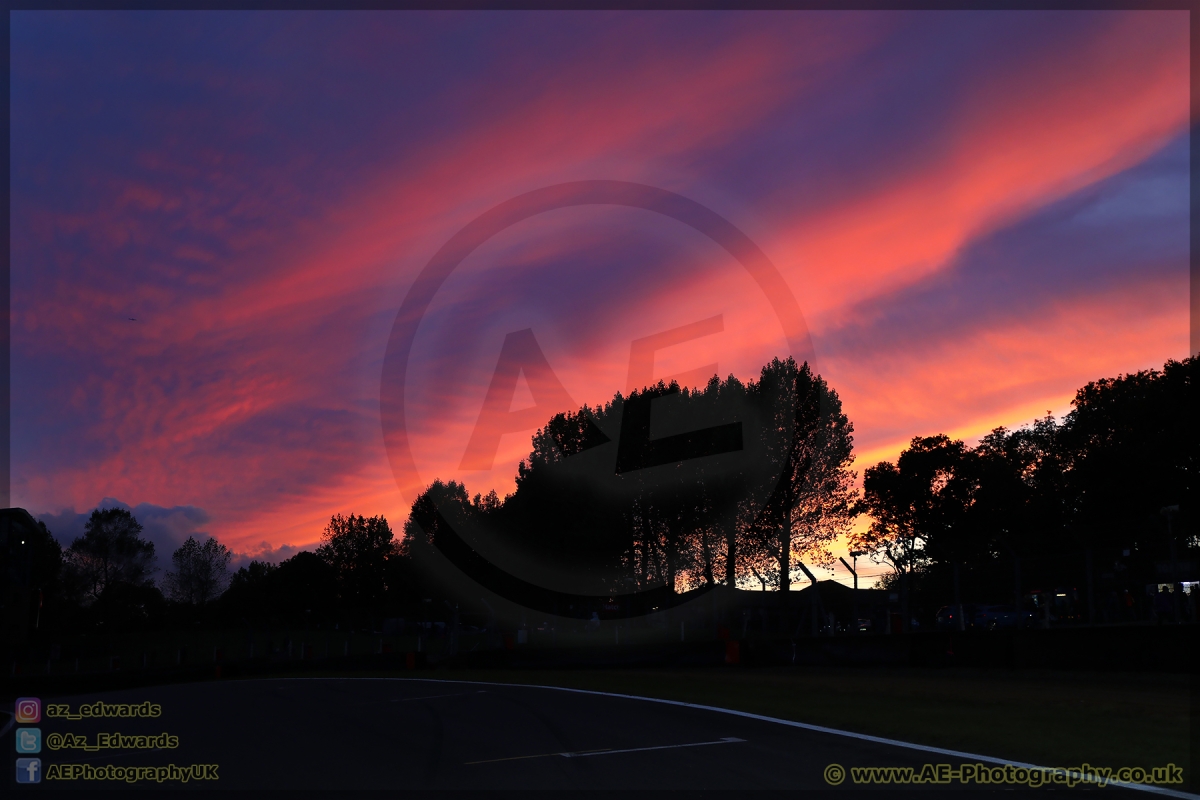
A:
(1101, 501)
(736, 483)
(104, 580)
(733, 483)
(1105, 498)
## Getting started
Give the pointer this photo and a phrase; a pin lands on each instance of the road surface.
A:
(347, 733)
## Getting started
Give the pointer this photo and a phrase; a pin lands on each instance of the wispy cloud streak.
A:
(976, 212)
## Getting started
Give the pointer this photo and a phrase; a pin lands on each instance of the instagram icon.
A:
(29, 710)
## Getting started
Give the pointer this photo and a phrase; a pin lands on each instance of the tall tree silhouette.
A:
(358, 550)
(811, 441)
(669, 486)
(200, 571)
(111, 551)
(920, 508)
(1130, 446)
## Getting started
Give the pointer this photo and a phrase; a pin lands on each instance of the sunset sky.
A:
(216, 217)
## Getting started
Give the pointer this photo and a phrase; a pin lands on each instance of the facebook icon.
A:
(29, 770)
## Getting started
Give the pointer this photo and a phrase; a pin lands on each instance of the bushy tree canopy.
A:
(111, 551)
(200, 571)
(358, 550)
(669, 486)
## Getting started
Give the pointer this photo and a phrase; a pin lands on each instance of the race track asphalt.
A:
(346, 733)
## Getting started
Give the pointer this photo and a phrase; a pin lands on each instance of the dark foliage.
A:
(1031, 508)
(668, 487)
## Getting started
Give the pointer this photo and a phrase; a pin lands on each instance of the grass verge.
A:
(1056, 719)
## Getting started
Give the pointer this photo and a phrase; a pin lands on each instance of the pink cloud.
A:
(249, 384)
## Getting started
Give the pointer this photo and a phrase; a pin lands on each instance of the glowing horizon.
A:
(977, 213)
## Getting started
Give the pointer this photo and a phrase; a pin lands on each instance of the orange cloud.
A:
(249, 385)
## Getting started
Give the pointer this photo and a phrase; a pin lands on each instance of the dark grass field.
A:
(1041, 717)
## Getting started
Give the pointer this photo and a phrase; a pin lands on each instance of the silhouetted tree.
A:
(811, 441)
(1129, 447)
(669, 486)
(1019, 510)
(125, 606)
(200, 571)
(358, 550)
(919, 508)
(250, 590)
(304, 583)
(111, 551)
(47, 579)
(1023, 507)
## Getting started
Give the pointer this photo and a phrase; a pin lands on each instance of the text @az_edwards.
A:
(112, 741)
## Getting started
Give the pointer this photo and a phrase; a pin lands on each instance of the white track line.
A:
(604, 751)
(433, 696)
(1158, 790)
(722, 740)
